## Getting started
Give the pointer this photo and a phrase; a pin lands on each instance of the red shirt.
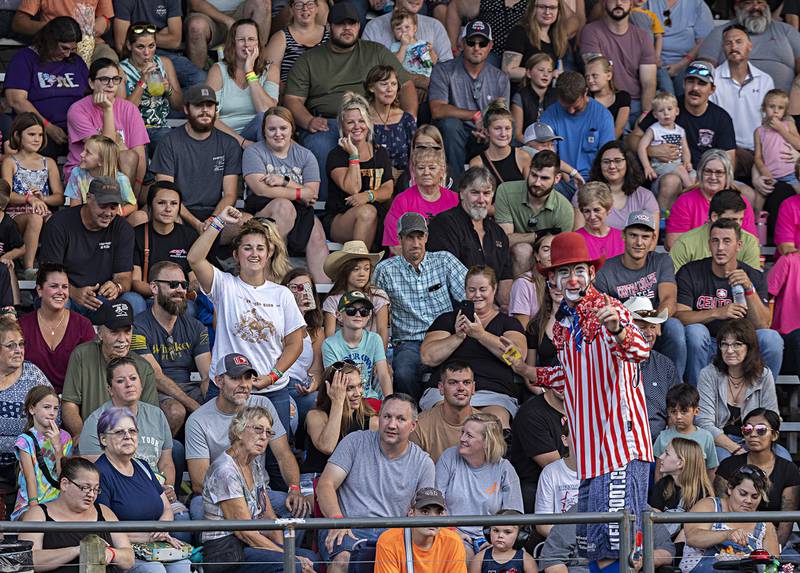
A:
(603, 394)
(54, 362)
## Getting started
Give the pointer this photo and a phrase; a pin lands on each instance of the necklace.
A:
(388, 115)
(54, 328)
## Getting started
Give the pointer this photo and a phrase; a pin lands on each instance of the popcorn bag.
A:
(84, 15)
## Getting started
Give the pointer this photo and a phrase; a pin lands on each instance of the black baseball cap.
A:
(114, 314)
(200, 93)
(106, 191)
(235, 365)
(343, 12)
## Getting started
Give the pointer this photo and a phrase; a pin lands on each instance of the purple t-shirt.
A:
(691, 211)
(640, 200)
(85, 119)
(411, 200)
(52, 86)
(609, 246)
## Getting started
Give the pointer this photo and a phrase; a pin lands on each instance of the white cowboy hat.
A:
(642, 309)
(350, 250)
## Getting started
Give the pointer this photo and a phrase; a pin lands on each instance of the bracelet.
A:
(216, 223)
(371, 196)
(617, 333)
(138, 181)
(353, 162)
(297, 193)
(251, 77)
(119, 288)
(749, 291)
(337, 516)
(28, 198)
(45, 122)
(140, 84)
(477, 116)
(113, 554)
(573, 173)
(294, 488)
(354, 157)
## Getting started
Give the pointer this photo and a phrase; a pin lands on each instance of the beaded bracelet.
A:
(371, 196)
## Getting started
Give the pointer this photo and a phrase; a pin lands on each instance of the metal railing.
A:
(623, 519)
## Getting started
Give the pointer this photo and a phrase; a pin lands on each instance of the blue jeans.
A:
(636, 111)
(182, 566)
(184, 536)
(271, 561)
(179, 461)
(304, 402)
(408, 368)
(280, 400)
(254, 130)
(701, 348)
(672, 344)
(456, 134)
(664, 81)
(188, 74)
(777, 449)
(135, 299)
(362, 537)
(320, 144)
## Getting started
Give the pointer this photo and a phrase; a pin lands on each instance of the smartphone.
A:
(467, 308)
(309, 293)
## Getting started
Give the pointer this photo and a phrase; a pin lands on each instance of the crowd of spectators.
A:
(165, 165)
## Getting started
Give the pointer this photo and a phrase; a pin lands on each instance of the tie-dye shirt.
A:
(46, 492)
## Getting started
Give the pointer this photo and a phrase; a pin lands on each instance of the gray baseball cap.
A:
(641, 219)
(540, 133)
(411, 222)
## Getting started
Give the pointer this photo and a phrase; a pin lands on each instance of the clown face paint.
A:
(573, 280)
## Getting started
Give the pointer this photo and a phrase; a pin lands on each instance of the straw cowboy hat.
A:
(569, 249)
(351, 250)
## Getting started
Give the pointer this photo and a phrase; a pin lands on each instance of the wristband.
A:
(294, 488)
(371, 196)
(216, 223)
(353, 162)
(140, 84)
(45, 122)
(251, 77)
(337, 516)
(573, 173)
(354, 157)
(477, 116)
(113, 554)
(297, 193)
(28, 198)
(749, 291)
(138, 181)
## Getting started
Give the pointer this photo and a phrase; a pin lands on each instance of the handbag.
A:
(42, 465)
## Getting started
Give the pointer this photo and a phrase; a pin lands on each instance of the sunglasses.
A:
(753, 471)
(759, 429)
(698, 71)
(142, 28)
(474, 42)
(667, 19)
(339, 365)
(299, 287)
(173, 284)
(360, 311)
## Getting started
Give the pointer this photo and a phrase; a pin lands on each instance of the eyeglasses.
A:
(350, 311)
(759, 429)
(340, 364)
(133, 432)
(173, 284)
(617, 161)
(86, 488)
(14, 345)
(142, 28)
(737, 345)
(262, 431)
(714, 173)
(475, 42)
(108, 80)
(667, 19)
(304, 5)
(542, 8)
(298, 287)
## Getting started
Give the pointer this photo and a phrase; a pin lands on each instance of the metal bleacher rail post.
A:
(649, 518)
(623, 519)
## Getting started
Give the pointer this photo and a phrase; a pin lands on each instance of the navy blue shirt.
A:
(131, 498)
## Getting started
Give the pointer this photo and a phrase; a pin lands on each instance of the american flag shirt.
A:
(603, 394)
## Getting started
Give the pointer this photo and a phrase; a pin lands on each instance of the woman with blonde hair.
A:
(283, 179)
(595, 202)
(506, 163)
(256, 316)
(464, 469)
(427, 136)
(244, 91)
(359, 172)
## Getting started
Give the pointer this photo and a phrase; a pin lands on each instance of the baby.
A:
(417, 57)
(665, 111)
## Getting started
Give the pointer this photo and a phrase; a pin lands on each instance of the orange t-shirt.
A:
(446, 555)
(50, 9)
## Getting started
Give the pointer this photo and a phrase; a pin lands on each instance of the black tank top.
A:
(315, 460)
(506, 168)
(61, 539)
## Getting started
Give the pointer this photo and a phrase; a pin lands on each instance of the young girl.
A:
(666, 130)
(35, 183)
(351, 269)
(417, 57)
(599, 74)
(776, 132)
(535, 94)
(503, 553)
(595, 202)
(99, 159)
(40, 450)
(505, 162)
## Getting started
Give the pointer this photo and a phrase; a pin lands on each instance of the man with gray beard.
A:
(174, 344)
(467, 232)
(776, 45)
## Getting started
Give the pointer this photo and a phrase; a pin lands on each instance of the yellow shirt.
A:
(656, 26)
(446, 555)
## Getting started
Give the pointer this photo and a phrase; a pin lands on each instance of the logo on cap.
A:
(204, 92)
(641, 217)
(120, 309)
(240, 361)
(478, 26)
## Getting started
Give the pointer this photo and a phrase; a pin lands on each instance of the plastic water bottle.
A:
(738, 295)
(761, 227)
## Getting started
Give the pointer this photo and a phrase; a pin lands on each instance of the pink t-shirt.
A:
(640, 200)
(691, 211)
(524, 298)
(85, 119)
(609, 246)
(411, 200)
(783, 282)
(787, 227)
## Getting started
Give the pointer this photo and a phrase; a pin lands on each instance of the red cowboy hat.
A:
(569, 249)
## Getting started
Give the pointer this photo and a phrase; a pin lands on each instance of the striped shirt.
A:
(603, 394)
(419, 296)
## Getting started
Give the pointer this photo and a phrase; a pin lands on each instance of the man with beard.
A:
(322, 75)
(95, 246)
(707, 126)
(631, 50)
(473, 237)
(776, 45)
(599, 349)
(740, 88)
(440, 427)
(524, 207)
(421, 286)
(85, 381)
(200, 159)
(174, 344)
(460, 89)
